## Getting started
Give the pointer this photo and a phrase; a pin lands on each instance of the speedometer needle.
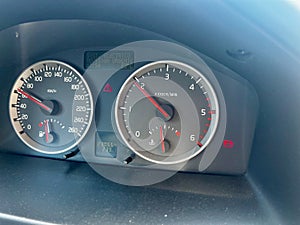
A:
(35, 100)
(165, 114)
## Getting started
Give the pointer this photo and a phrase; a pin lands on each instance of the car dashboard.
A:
(148, 113)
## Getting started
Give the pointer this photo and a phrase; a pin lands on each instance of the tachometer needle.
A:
(165, 114)
(162, 139)
(35, 100)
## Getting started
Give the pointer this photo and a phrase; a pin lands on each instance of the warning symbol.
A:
(107, 88)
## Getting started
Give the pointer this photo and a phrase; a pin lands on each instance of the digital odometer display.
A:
(108, 60)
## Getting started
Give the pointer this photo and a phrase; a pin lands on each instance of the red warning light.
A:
(107, 88)
(228, 144)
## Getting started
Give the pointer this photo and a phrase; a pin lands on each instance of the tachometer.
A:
(51, 107)
(167, 112)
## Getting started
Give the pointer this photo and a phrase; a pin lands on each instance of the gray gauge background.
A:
(193, 100)
(61, 85)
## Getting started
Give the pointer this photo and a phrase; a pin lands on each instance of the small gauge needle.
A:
(47, 131)
(35, 100)
(48, 134)
(165, 114)
(162, 139)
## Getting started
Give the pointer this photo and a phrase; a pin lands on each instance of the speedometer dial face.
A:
(51, 107)
(167, 112)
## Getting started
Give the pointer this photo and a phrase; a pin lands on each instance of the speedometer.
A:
(51, 107)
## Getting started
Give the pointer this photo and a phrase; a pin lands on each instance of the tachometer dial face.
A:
(167, 112)
(51, 107)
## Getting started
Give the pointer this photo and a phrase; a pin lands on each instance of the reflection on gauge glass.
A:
(167, 112)
(51, 107)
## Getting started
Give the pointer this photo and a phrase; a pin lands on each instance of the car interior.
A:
(149, 112)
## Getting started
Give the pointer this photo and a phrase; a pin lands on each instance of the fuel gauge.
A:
(50, 131)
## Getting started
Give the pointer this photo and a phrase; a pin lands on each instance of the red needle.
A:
(35, 100)
(165, 114)
(162, 139)
(46, 131)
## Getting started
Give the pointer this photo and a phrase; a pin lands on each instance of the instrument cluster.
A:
(142, 103)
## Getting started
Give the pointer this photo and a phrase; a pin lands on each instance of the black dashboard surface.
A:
(72, 193)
